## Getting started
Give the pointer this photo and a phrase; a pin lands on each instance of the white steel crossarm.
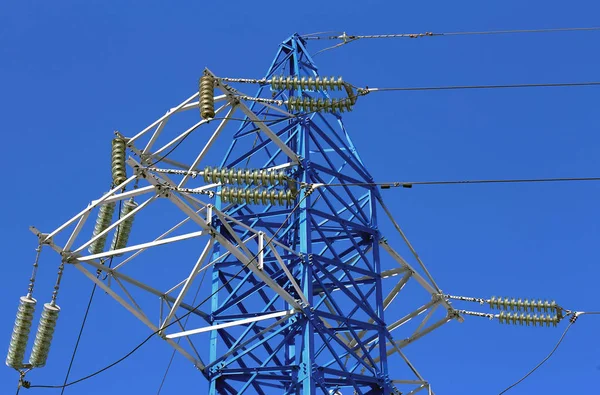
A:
(245, 260)
(188, 282)
(383, 243)
(159, 120)
(87, 210)
(198, 363)
(141, 246)
(287, 272)
(260, 124)
(235, 251)
(188, 131)
(208, 145)
(171, 230)
(232, 323)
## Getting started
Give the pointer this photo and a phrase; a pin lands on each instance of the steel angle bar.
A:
(197, 362)
(414, 252)
(126, 195)
(209, 144)
(233, 323)
(89, 208)
(188, 282)
(174, 228)
(240, 346)
(188, 131)
(250, 229)
(289, 276)
(412, 315)
(180, 325)
(419, 389)
(142, 246)
(235, 251)
(264, 128)
(154, 136)
(76, 231)
(159, 120)
(137, 306)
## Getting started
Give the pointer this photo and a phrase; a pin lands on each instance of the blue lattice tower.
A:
(335, 231)
(285, 220)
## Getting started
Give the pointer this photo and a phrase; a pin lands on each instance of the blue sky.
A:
(72, 73)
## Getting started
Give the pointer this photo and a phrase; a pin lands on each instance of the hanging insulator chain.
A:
(522, 319)
(105, 214)
(206, 88)
(309, 104)
(523, 305)
(226, 175)
(119, 171)
(38, 252)
(257, 196)
(43, 337)
(20, 334)
(121, 235)
(310, 83)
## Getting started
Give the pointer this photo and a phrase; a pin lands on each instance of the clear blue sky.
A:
(71, 73)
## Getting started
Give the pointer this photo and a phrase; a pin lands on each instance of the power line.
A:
(353, 37)
(87, 309)
(464, 87)
(572, 321)
(179, 339)
(267, 244)
(346, 38)
(410, 184)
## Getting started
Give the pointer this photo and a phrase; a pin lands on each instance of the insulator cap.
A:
(206, 88)
(522, 319)
(309, 104)
(257, 196)
(523, 305)
(105, 214)
(244, 176)
(20, 334)
(119, 171)
(310, 84)
(121, 235)
(43, 337)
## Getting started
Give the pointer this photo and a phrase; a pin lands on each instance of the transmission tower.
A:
(303, 293)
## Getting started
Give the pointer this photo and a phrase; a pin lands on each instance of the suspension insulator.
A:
(309, 104)
(257, 196)
(119, 171)
(522, 319)
(20, 335)
(43, 337)
(310, 84)
(244, 176)
(121, 235)
(523, 305)
(207, 96)
(105, 214)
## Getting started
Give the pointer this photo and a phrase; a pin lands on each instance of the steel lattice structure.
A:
(304, 286)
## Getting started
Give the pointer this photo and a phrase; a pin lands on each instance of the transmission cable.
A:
(87, 309)
(410, 184)
(465, 87)
(346, 38)
(571, 322)
(267, 244)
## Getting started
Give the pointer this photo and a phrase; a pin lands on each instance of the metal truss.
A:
(297, 297)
